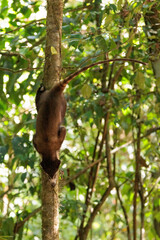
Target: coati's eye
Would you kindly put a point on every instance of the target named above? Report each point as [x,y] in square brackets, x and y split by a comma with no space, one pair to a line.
[42,88]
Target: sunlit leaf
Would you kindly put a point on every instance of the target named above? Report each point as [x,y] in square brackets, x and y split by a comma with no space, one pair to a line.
[86,91]
[108,19]
[140,79]
[119,4]
[53,50]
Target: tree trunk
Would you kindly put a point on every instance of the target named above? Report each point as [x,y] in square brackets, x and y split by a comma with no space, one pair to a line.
[50,201]
[152,20]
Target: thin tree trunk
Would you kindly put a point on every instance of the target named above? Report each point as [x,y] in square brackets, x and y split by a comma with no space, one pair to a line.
[137,173]
[52,67]
[152,21]
[50,201]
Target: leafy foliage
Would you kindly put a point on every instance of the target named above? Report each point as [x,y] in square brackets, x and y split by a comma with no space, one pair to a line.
[128,93]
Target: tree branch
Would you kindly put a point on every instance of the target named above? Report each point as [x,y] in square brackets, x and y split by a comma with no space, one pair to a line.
[96,209]
[137,172]
[10,54]
[23,26]
[142,200]
[65,182]
[8,190]
[152,189]
[124,212]
[91,165]
[19,224]
[149,131]
[110,178]
[17,71]
[79,8]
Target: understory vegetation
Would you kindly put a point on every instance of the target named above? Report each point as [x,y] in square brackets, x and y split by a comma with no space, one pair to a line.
[110,160]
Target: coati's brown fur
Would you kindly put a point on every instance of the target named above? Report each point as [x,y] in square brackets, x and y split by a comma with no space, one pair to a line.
[51,107]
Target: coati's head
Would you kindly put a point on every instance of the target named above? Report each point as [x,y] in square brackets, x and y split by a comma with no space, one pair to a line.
[50,166]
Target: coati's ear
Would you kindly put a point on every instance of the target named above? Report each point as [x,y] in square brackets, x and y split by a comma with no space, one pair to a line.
[50,166]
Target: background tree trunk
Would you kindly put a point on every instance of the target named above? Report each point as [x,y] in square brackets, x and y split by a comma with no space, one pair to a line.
[152,20]
[50,201]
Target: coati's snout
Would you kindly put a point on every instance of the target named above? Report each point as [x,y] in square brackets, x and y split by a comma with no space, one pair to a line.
[50,166]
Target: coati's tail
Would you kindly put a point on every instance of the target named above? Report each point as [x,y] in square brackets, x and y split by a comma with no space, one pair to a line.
[64,82]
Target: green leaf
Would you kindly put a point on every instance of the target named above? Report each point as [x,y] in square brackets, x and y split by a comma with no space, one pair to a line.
[11,16]
[7,227]
[76,36]
[53,50]
[119,4]
[4,3]
[108,19]
[140,80]
[156,66]
[24,10]
[115,101]
[23,176]
[101,42]
[4,9]
[74,43]
[66,29]
[21,146]
[113,7]
[112,44]
[3,151]
[32,190]
[148,82]
[86,91]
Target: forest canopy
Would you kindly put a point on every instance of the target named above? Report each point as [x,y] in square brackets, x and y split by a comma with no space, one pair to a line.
[110,160]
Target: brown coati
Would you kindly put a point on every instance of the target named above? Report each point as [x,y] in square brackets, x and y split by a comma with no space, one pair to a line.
[51,107]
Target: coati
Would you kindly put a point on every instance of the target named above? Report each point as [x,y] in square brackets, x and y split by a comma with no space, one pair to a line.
[51,108]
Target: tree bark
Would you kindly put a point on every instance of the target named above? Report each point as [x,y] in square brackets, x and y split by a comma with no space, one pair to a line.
[50,201]
[52,67]
[152,21]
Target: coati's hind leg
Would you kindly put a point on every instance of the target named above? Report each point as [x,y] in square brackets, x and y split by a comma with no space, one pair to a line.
[61,134]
